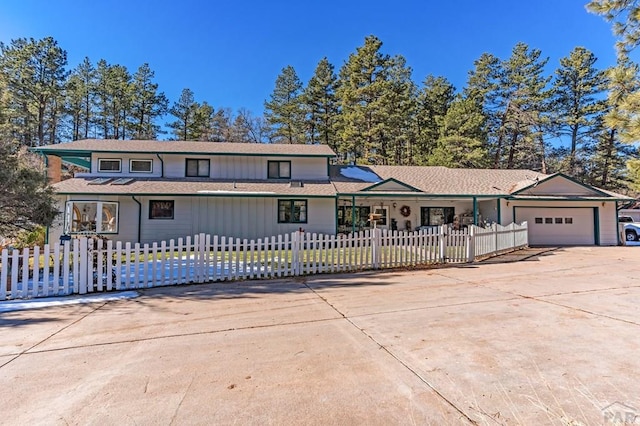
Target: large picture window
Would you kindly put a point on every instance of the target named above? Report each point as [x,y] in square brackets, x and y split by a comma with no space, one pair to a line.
[435,216]
[109,165]
[345,216]
[141,166]
[279,169]
[161,209]
[292,211]
[197,167]
[100,217]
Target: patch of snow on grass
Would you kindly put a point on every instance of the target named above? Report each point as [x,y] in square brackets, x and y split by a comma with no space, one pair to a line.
[354,172]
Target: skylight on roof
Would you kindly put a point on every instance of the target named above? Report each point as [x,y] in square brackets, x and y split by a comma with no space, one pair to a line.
[98,181]
[122,181]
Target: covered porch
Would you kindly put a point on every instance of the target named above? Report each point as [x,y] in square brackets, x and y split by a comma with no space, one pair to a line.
[403,212]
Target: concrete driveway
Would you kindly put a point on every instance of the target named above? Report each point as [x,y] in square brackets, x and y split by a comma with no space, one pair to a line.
[549,339]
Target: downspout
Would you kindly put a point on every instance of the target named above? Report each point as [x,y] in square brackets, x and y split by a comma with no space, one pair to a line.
[161,165]
[139,215]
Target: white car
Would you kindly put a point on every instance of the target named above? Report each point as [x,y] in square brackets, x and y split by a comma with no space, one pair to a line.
[632,231]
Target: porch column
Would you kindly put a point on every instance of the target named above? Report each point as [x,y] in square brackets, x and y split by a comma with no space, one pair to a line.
[475,211]
[499,219]
[353,213]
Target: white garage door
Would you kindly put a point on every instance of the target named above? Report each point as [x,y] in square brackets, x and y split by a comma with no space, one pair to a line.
[558,226]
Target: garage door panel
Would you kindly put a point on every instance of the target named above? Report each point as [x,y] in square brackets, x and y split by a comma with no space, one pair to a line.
[558,226]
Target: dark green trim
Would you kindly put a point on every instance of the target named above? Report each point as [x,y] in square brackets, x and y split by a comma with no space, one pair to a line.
[596,224]
[78,161]
[139,217]
[498,213]
[617,225]
[269,162]
[173,194]
[75,153]
[336,210]
[475,210]
[353,214]
[562,175]
[328,167]
[572,199]
[411,188]
[419,195]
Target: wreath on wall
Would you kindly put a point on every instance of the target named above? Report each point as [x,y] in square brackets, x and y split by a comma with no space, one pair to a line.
[405,211]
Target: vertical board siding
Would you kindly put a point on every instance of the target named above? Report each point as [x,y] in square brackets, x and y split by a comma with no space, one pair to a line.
[86,265]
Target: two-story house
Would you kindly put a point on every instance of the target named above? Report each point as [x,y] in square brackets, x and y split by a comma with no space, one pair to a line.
[152,190]
[144,191]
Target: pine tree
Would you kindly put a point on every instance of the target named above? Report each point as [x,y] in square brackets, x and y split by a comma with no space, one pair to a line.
[34,76]
[362,85]
[434,99]
[576,102]
[147,104]
[321,105]
[114,98]
[284,111]
[626,23]
[80,99]
[460,143]
[184,109]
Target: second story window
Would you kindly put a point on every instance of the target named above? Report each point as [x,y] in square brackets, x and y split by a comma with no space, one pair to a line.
[279,169]
[197,167]
[109,165]
[141,166]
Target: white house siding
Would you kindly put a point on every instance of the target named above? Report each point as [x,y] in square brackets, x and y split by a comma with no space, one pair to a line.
[606,214]
[124,158]
[245,167]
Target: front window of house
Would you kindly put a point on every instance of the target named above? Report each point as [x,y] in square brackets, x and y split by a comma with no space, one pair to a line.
[161,209]
[345,216]
[197,167]
[110,165]
[100,217]
[279,169]
[292,211]
[435,216]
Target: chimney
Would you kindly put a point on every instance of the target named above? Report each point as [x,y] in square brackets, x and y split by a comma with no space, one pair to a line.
[54,169]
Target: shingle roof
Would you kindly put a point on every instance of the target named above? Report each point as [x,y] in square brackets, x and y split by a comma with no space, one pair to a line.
[187,147]
[196,187]
[441,180]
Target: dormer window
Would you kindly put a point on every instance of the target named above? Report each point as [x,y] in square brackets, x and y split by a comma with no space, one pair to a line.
[279,169]
[110,165]
[140,166]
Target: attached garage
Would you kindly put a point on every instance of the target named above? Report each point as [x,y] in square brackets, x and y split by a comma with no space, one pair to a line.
[559,226]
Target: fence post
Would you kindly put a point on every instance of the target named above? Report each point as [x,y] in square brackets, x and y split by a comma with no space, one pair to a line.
[376,246]
[442,243]
[295,253]
[83,260]
[471,243]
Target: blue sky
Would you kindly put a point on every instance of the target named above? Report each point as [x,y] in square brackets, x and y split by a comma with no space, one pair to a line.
[230,52]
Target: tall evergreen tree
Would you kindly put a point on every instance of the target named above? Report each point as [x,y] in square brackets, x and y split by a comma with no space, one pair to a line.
[360,95]
[576,102]
[34,76]
[284,111]
[434,99]
[114,99]
[460,143]
[184,110]
[147,104]
[321,105]
[80,99]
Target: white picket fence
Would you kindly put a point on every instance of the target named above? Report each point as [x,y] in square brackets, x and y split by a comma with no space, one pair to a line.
[86,265]
[498,239]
